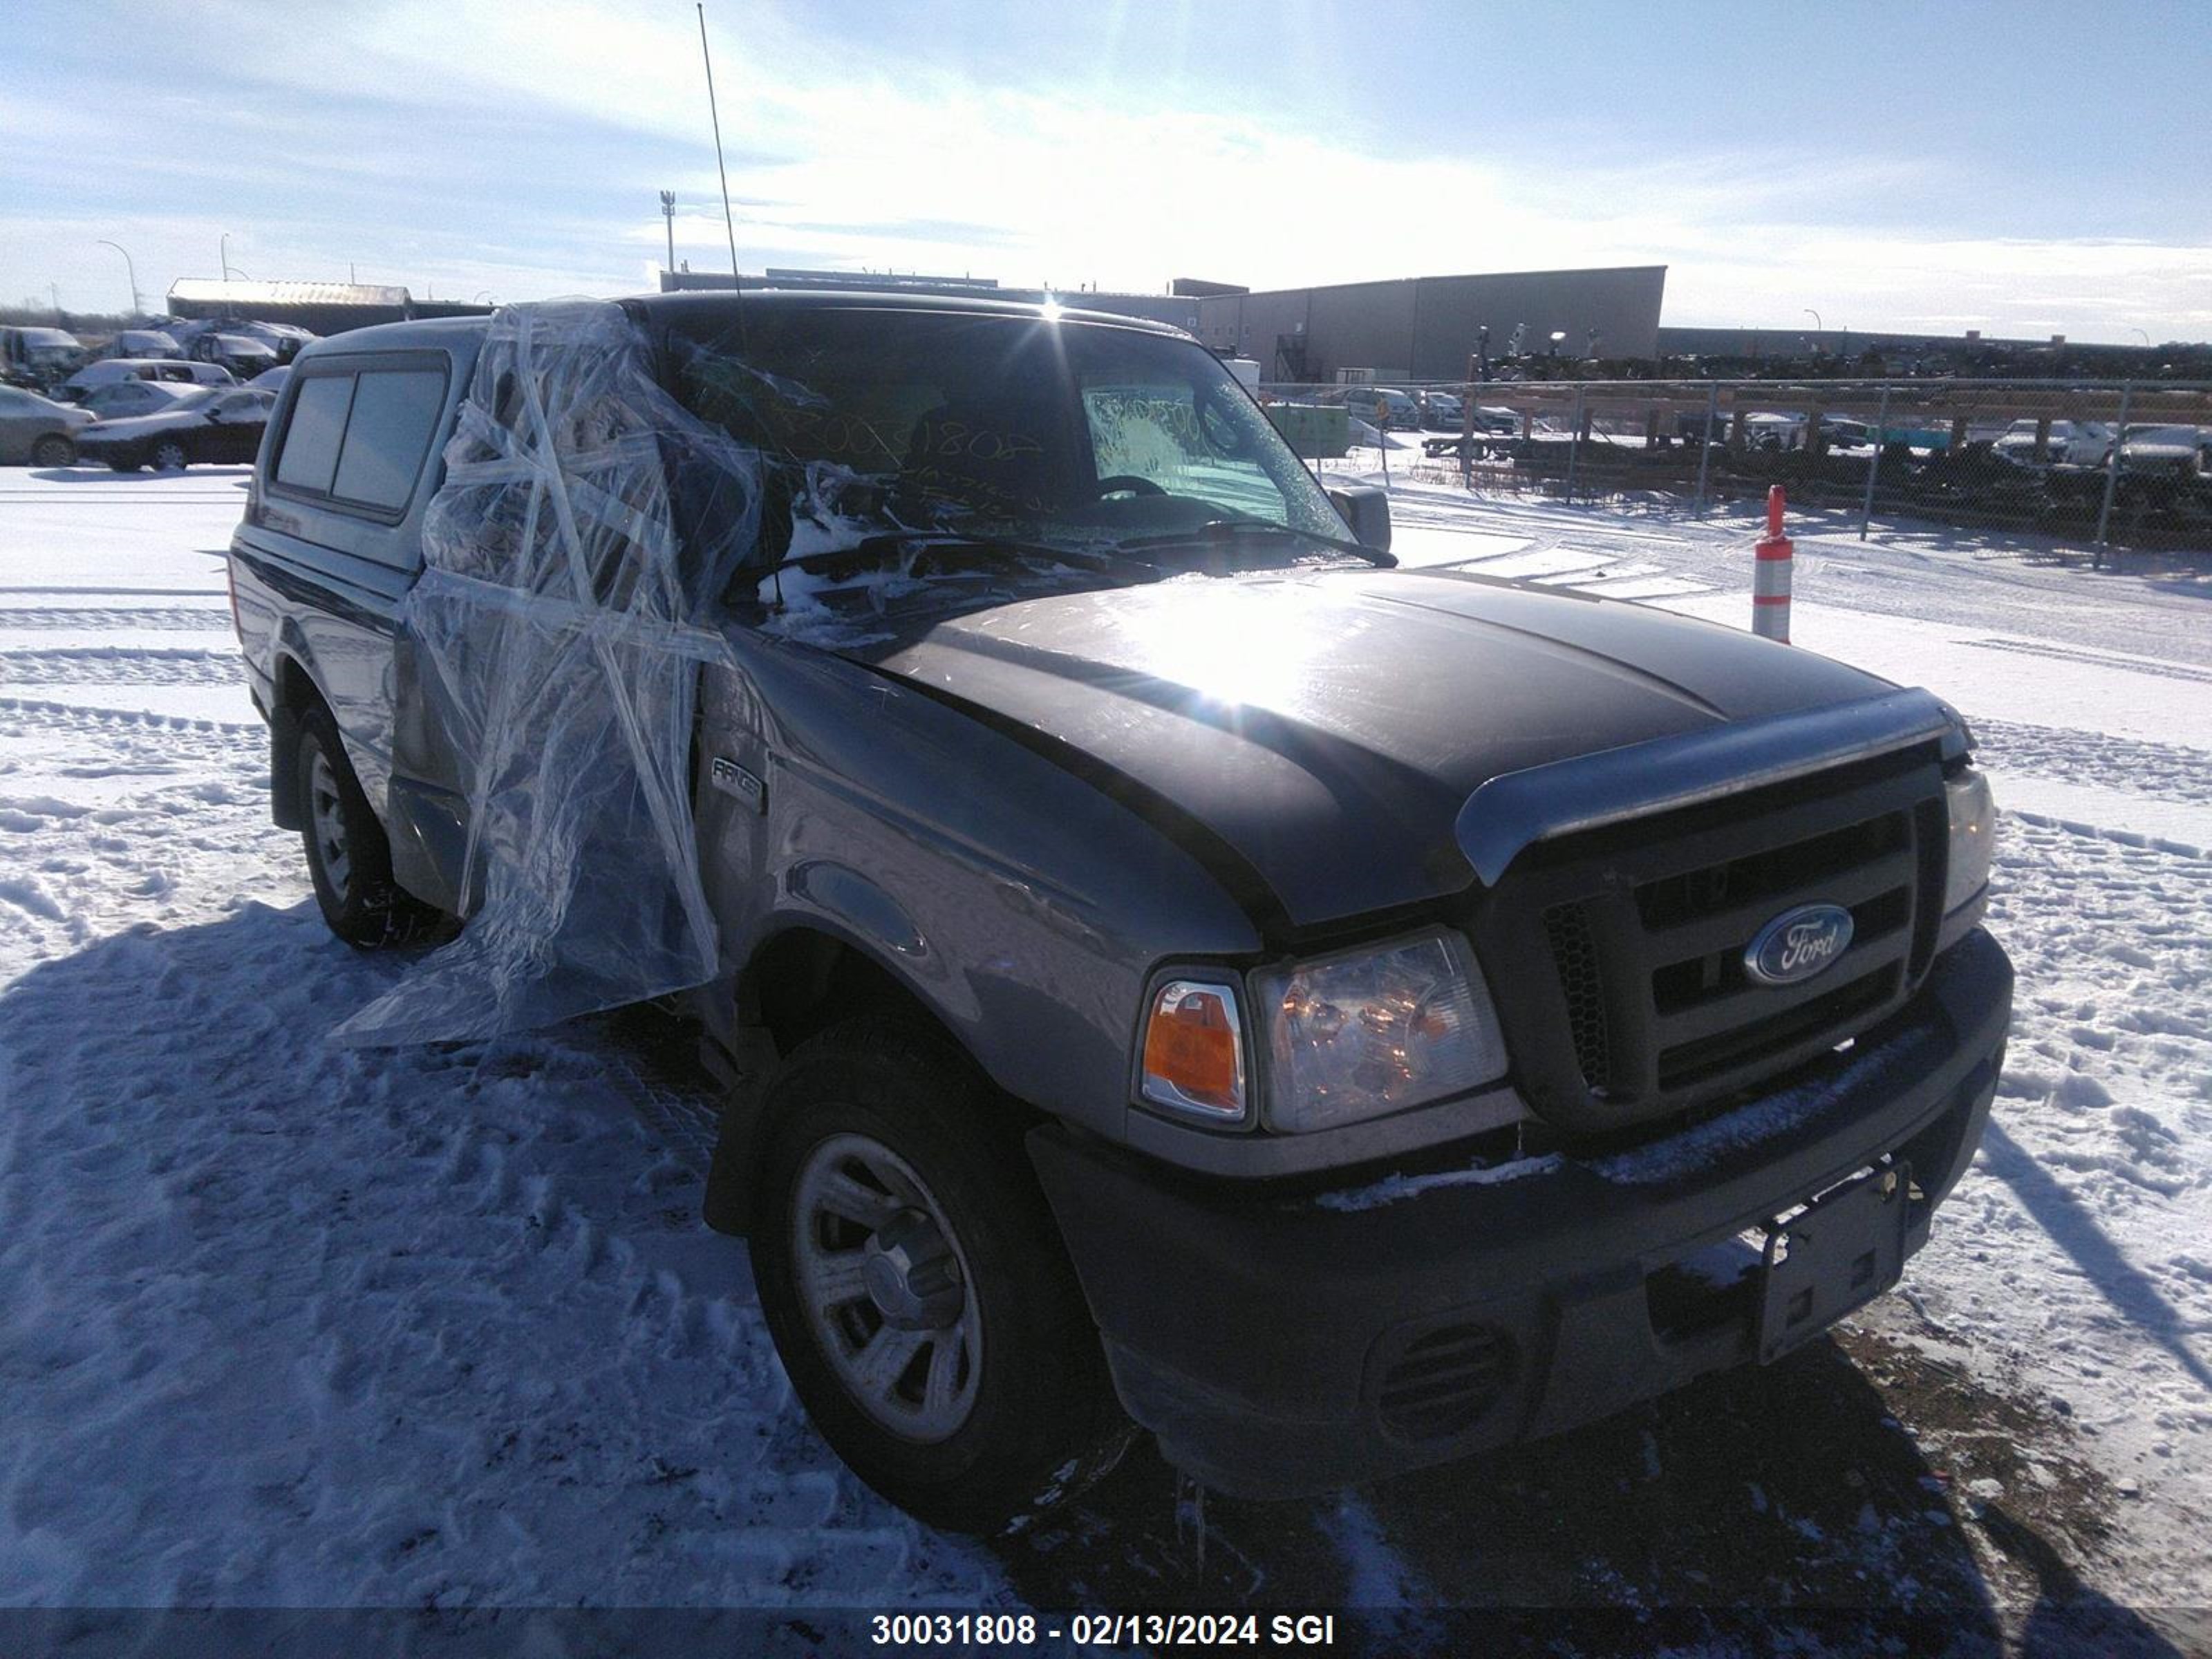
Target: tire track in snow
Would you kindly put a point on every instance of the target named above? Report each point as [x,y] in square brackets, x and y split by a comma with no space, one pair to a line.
[182,619]
[122,666]
[2160,671]
[39,712]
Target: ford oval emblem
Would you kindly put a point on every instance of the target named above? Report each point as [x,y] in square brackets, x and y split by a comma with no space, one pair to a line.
[1798,944]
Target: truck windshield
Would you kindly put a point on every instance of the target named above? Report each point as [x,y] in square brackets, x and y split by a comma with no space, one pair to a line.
[1056,432]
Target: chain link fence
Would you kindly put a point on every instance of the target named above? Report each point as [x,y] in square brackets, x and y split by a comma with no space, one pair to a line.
[2093,468]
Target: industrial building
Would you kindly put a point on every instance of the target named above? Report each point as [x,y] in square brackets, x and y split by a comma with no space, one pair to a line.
[1419,328]
[1426,328]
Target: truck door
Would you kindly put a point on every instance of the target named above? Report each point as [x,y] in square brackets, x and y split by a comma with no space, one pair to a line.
[546,682]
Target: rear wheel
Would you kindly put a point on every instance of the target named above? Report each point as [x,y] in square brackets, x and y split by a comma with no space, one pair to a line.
[169,456]
[54,450]
[348,859]
[914,1280]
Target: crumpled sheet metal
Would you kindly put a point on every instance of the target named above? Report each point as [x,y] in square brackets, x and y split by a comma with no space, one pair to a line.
[585,531]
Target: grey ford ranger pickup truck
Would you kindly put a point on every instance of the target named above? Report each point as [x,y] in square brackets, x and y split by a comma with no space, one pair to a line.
[1169,965]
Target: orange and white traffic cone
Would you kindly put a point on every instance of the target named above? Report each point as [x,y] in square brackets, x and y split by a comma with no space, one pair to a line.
[1770,577]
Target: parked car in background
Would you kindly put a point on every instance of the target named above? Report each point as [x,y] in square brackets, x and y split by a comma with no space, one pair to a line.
[241,353]
[38,357]
[143,344]
[128,398]
[1441,412]
[1774,431]
[283,340]
[2183,452]
[206,424]
[1383,407]
[113,371]
[2074,443]
[38,429]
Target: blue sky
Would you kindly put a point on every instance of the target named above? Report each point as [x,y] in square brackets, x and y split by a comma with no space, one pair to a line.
[2024,169]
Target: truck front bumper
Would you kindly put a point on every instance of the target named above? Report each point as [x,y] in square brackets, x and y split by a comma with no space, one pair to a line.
[1278,1344]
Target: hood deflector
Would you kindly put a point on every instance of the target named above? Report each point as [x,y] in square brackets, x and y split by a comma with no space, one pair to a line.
[1511,813]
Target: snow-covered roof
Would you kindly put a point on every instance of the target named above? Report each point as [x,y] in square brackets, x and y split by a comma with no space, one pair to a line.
[203,291]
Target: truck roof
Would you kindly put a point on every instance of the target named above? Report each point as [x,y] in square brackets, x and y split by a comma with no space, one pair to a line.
[694,308]
[708,309]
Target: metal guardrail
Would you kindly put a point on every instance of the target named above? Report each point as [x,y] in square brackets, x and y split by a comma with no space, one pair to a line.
[2100,465]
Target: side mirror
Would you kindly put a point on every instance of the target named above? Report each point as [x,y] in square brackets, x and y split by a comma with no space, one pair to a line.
[1365,509]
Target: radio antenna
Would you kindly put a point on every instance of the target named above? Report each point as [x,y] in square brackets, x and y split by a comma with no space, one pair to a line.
[729,220]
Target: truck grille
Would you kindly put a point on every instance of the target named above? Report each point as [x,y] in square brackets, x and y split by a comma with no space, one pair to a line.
[1647,1007]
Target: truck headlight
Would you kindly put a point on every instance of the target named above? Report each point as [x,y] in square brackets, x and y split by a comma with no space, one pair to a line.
[1973,836]
[1363,1033]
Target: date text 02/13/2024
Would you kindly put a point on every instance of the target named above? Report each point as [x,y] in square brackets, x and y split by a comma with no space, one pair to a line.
[1106,1630]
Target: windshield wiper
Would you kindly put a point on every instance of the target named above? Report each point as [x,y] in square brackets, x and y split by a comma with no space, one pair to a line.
[1006,549]
[1216,532]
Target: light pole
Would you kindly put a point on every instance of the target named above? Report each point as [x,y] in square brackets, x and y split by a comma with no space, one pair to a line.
[668,212]
[2146,338]
[136,310]
[226,258]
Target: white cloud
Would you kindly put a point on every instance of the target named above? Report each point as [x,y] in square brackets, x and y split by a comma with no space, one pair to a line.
[840,160]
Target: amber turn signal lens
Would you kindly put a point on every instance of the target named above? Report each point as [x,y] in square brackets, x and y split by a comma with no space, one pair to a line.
[1194,1050]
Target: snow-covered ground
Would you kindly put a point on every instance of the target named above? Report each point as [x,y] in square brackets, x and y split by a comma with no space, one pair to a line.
[283,1324]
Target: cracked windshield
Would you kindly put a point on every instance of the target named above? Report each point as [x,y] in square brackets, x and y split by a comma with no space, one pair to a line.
[1004,437]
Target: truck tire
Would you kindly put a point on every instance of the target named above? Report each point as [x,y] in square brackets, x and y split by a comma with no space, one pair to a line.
[915,1285]
[348,859]
[54,450]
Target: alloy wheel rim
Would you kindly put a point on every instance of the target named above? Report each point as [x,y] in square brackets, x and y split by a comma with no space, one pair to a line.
[327,813]
[886,1288]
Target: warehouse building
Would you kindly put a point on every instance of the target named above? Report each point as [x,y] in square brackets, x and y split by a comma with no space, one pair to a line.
[1426,328]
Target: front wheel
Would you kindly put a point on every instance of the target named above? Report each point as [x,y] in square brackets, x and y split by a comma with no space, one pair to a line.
[54,450]
[169,456]
[915,1285]
[349,860]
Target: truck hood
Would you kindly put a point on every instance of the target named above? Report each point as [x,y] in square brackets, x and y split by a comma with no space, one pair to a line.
[1328,727]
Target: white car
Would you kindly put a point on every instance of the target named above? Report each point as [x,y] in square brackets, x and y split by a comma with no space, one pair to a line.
[1382,406]
[125,398]
[2183,450]
[113,371]
[2074,443]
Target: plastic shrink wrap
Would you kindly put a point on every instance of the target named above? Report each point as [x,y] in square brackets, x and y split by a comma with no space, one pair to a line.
[574,556]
